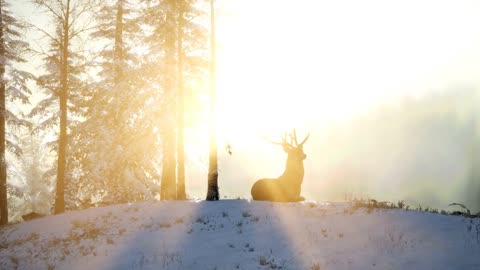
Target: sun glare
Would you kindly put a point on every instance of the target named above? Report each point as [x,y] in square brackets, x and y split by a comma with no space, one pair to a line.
[311,62]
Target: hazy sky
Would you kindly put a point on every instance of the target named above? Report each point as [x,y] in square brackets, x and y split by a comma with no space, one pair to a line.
[310,63]
[326,59]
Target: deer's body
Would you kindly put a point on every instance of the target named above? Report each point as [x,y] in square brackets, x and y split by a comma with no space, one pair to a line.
[287,187]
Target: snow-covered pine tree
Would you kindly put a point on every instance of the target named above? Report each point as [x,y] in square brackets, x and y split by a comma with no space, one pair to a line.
[192,79]
[62,82]
[177,49]
[13,88]
[36,192]
[115,147]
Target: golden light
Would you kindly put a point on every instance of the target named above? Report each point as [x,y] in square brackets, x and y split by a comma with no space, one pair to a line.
[306,63]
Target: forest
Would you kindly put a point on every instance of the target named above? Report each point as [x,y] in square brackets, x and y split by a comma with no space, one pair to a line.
[103,119]
[160,134]
[111,101]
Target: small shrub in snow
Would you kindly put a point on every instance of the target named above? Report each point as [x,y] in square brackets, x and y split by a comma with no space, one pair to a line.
[315,266]
[14,261]
[31,216]
[202,220]
[255,219]
[270,262]
[466,212]
[84,230]
[179,220]
[246,214]
[165,225]
[312,205]
[262,260]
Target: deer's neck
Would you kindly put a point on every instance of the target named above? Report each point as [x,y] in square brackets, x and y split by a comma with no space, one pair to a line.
[293,170]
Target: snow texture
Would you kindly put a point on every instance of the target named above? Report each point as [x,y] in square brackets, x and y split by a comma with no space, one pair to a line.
[239,234]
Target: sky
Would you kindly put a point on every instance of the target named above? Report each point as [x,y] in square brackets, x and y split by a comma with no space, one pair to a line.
[333,58]
[312,64]
[329,59]
[337,56]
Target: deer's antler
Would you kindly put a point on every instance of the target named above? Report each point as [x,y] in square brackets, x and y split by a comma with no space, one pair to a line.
[304,140]
[282,143]
[295,138]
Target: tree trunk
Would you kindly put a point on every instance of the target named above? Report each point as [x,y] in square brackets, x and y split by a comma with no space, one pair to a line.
[3,163]
[118,61]
[118,50]
[181,195]
[168,185]
[212,193]
[63,96]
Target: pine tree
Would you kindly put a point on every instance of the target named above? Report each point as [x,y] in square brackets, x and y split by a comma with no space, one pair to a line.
[116,144]
[36,192]
[63,68]
[13,87]
[176,43]
[212,192]
[181,194]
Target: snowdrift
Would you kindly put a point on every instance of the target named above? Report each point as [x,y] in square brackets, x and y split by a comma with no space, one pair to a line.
[240,234]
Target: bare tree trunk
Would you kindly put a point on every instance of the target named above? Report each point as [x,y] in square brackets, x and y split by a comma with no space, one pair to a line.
[117,61]
[168,185]
[212,193]
[3,163]
[181,195]
[62,142]
[118,50]
[473,184]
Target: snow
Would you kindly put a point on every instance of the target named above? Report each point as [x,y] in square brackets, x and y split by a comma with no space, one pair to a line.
[242,234]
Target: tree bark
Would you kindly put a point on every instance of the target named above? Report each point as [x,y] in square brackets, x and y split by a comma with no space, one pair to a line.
[118,50]
[212,193]
[168,189]
[116,174]
[3,163]
[63,96]
[181,194]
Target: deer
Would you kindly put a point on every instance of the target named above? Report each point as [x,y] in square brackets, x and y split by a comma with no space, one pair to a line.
[287,187]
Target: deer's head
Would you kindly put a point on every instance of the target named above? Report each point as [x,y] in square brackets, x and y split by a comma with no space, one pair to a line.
[292,148]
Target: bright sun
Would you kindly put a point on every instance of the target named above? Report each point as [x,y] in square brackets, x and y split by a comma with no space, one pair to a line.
[284,64]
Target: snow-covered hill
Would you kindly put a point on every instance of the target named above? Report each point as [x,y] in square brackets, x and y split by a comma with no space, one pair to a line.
[239,234]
